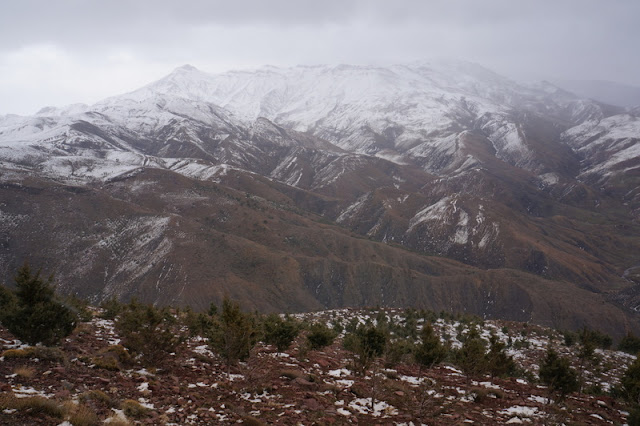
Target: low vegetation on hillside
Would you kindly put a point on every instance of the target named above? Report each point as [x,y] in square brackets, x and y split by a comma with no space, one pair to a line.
[139,364]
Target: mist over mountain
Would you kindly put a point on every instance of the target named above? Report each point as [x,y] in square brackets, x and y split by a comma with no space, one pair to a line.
[440,185]
[604,91]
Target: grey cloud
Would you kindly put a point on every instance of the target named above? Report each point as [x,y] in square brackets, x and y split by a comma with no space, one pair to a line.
[524,39]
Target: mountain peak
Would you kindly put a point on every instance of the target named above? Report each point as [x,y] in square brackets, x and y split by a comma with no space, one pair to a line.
[186,68]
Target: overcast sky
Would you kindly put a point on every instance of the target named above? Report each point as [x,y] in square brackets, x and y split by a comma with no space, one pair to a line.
[67,51]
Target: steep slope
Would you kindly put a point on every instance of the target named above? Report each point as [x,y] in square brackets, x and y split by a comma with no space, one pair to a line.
[610,151]
[169,239]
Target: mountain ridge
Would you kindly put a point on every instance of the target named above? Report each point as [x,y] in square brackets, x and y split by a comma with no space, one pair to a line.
[456,162]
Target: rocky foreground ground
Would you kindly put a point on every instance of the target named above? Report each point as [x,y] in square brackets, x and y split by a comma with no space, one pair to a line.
[78,385]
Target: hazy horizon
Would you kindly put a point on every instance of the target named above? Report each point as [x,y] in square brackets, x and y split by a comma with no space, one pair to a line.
[66,52]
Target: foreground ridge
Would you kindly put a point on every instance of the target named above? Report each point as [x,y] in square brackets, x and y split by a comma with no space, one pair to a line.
[192,386]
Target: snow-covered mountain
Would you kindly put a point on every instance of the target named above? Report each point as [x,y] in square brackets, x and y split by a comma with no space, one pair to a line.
[446,159]
[403,112]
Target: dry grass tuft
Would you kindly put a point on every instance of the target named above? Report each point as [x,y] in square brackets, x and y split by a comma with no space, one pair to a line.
[84,416]
[43,353]
[112,358]
[96,396]
[134,409]
[25,372]
[34,405]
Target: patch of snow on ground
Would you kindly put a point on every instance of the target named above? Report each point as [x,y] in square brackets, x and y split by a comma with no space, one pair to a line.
[343,412]
[203,350]
[487,385]
[455,370]
[25,392]
[540,399]
[146,404]
[380,408]
[415,381]
[234,377]
[521,411]
[341,372]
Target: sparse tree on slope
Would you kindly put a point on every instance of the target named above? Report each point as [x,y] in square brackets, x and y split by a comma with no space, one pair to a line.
[232,334]
[149,332]
[556,372]
[499,363]
[280,332]
[430,351]
[629,344]
[471,357]
[35,315]
[320,336]
[368,343]
[630,382]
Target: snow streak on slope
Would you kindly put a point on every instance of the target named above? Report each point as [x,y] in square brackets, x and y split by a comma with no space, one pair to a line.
[609,145]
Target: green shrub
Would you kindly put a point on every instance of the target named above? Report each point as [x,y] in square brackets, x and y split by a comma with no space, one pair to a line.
[148,332]
[337,326]
[521,344]
[569,338]
[398,350]
[36,316]
[280,332]
[629,344]
[232,334]
[320,336]
[594,389]
[368,342]
[197,323]
[8,302]
[80,308]
[430,351]
[111,308]
[634,417]
[556,372]
[352,325]
[595,338]
[499,364]
[630,382]
[471,357]
[410,325]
